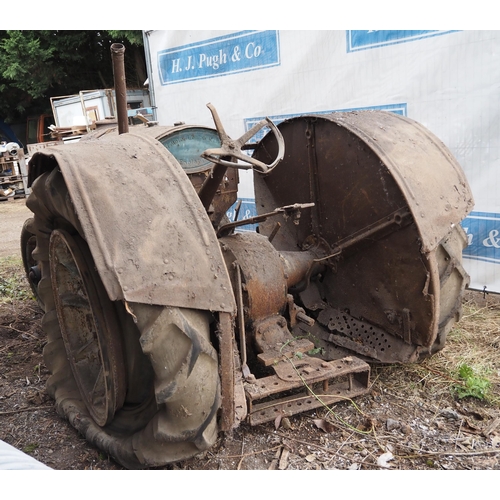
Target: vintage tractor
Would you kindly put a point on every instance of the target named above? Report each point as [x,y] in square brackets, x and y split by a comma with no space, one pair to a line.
[167,323]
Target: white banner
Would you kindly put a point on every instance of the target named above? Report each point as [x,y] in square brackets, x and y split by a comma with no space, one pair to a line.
[446,80]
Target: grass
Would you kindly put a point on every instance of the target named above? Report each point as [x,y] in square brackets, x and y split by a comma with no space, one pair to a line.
[467,367]
[30,448]
[13,283]
[471,351]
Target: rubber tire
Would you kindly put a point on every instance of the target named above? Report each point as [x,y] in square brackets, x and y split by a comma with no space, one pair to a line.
[454,281]
[28,243]
[173,387]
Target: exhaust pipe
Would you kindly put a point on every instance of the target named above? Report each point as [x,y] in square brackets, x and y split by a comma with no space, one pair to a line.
[117,55]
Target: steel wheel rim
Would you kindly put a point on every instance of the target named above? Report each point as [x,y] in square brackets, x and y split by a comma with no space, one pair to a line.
[88,327]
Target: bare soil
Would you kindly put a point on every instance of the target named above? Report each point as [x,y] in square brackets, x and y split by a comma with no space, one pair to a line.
[411,419]
[13,213]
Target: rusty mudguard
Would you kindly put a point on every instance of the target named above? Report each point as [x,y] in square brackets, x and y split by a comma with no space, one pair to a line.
[388,198]
[150,237]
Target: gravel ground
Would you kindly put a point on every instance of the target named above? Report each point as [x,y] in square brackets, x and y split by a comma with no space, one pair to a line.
[13,213]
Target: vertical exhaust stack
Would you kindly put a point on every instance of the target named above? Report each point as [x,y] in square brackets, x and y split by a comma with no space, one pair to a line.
[118,56]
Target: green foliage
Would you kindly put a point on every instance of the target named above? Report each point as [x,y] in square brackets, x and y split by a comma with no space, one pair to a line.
[15,50]
[11,289]
[316,350]
[133,37]
[13,283]
[38,64]
[474,385]
[30,448]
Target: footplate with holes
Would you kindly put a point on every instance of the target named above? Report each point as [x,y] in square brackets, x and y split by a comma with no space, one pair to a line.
[366,339]
[305,384]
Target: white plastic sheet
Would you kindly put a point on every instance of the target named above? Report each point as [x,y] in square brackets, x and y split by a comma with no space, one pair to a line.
[13,459]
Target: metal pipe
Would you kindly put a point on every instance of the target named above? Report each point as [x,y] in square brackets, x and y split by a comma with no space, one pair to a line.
[118,56]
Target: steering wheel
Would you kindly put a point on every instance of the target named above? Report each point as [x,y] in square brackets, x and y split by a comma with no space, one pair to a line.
[233,148]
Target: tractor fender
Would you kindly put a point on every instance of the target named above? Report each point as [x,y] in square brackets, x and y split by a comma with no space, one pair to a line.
[388,201]
[147,230]
[429,177]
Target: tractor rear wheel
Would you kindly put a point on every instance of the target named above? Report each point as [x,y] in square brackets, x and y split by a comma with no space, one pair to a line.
[139,381]
[453,281]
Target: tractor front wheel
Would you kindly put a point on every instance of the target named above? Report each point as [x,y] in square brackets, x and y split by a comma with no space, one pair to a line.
[139,381]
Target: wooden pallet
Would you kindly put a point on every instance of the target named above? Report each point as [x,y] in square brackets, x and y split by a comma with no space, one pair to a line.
[12,198]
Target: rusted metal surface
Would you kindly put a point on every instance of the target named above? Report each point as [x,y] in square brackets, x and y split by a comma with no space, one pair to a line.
[186,143]
[230,152]
[313,383]
[227,371]
[217,188]
[288,211]
[453,282]
[386,193]
[264,283]
[118,57]
[150,237]
[279,361]
[361,167]
[89,330]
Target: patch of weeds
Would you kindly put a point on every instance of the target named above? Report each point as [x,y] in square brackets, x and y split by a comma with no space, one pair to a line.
[30,448]
[13,282]
[474,385]
[316,350]
[12,289]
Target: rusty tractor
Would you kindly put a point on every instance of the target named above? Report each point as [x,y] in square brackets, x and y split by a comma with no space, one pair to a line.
[167,322]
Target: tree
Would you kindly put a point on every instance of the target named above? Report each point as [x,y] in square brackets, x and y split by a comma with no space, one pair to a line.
[38,64]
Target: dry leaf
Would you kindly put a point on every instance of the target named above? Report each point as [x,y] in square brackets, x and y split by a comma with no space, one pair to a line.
[277,422]
[384,458]
[324,425]
[283,463]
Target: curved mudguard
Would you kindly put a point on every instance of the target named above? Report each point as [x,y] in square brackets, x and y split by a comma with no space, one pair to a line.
[149,234]
[388,199]
[363,163]
[429,177]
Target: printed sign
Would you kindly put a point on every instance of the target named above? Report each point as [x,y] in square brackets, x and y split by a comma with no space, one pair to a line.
[236,53]
[247,210]
[371,39]
[483,234]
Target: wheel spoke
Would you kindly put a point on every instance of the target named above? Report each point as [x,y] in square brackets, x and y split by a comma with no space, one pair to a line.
[100,386]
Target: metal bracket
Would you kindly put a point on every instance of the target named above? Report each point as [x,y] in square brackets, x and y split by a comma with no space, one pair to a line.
[312,383]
